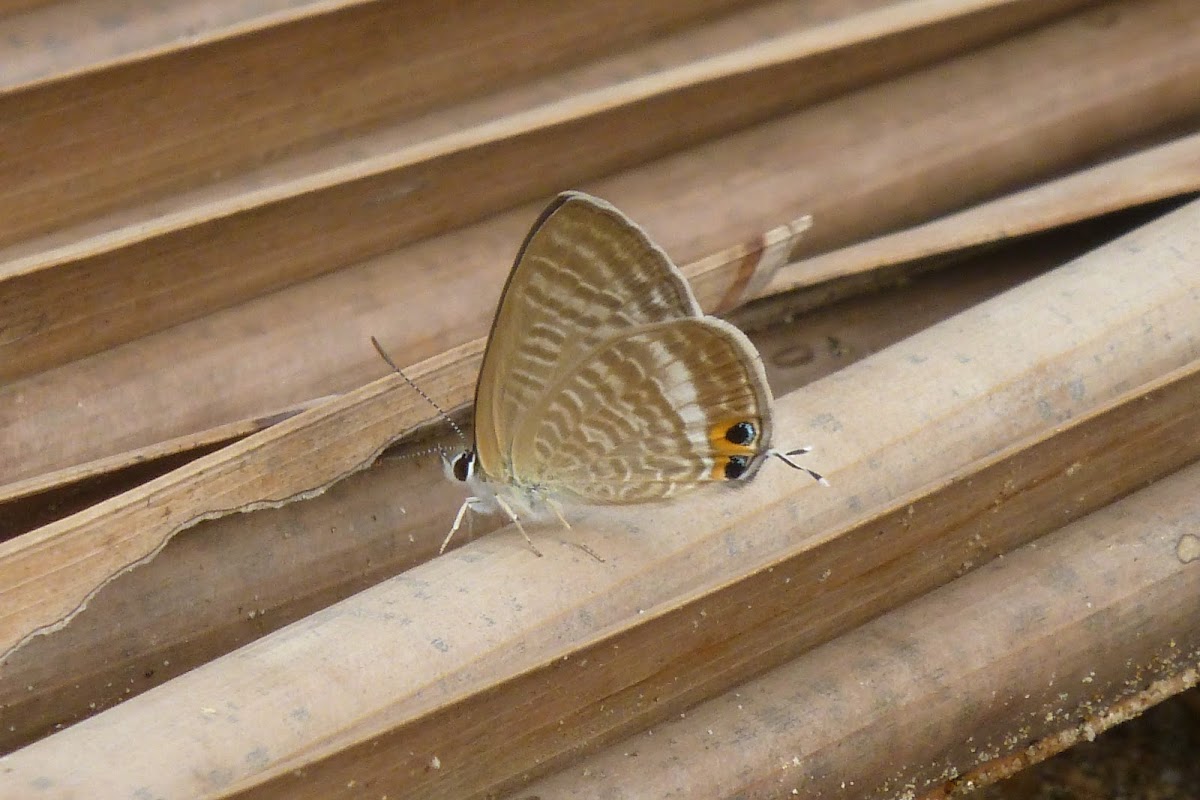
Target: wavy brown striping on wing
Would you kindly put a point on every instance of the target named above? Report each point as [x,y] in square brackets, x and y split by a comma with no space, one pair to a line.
[584,274]
[645,416]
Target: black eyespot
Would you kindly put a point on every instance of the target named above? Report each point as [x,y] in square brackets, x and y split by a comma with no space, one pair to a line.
[464,465]
[736,467]
[741,433]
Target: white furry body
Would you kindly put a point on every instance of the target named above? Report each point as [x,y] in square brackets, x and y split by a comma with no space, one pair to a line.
[515,500]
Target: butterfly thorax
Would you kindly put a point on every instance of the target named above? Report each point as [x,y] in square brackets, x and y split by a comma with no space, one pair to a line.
[529,497]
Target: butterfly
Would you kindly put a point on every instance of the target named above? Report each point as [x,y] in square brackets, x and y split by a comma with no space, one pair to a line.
[603,382]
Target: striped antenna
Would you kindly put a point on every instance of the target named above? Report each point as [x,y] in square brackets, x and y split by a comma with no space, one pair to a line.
[382,354]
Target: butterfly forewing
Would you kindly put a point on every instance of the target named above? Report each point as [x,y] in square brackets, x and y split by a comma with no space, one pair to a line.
[648,414]
[584,274]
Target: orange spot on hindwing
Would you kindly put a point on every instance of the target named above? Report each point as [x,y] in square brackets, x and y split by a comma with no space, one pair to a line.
[735,442]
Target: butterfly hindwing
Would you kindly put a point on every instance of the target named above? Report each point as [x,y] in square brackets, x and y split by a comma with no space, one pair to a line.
[649,413]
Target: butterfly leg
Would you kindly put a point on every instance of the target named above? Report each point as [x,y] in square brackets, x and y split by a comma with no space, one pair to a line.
[517,521]
[557,508]
[469,503]
[558,512]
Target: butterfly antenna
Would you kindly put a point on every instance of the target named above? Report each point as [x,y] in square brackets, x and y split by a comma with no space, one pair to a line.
[785,458]
[379,349]
[441,451]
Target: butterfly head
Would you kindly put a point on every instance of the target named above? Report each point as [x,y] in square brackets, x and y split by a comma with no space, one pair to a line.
[462,467]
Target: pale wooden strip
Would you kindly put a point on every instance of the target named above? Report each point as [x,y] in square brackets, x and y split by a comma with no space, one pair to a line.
[40,500]
[363,690]
[744,269]
[61,479]
[1170,169]
[1049,646]
[103,34]
[51,573]
[397,131]
[309,340]
[437,130]
[757,39]
[234,104]
[226,582]
[272,233]
[702,642]
[107,33]
[19,6]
